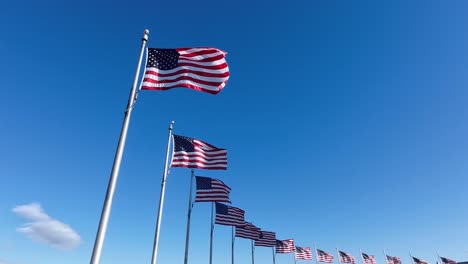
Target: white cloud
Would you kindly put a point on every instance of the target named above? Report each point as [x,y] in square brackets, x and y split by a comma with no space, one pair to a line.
[44,229]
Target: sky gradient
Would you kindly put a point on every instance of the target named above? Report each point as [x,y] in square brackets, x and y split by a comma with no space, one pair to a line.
[345,124]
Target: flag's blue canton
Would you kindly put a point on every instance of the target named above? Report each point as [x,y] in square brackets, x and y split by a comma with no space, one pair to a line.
[203,183]
[299,249]
[222,209]
[163,59]
[183,144]
[280,243]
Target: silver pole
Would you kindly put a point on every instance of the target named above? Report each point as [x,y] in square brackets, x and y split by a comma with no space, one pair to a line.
[232,246]
[438,256]
[411,257]
[253,249]
[385,255]
[274,255]
[187,235]
[316,254]
[362,257]
[161,199]
[338,255]
[101,233]
[295,261]
[211,233]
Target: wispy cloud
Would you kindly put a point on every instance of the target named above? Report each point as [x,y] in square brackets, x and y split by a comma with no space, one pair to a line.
[44,229]
[5,262]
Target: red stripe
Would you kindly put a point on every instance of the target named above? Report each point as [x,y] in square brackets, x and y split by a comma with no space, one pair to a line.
[205,156]
[200,52]
[186,85]
[199,167]
[210,59]
[200,73]
[210,67]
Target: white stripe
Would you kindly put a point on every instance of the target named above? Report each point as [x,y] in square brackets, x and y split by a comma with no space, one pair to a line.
[222,153]
[201,57]
[203,63]
[194,50]
[212,152]
[190,68]
[164,85]
[198,160]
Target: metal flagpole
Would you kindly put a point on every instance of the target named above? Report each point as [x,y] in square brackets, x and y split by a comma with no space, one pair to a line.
[316,254]
[411,257]
[338,253]
[101,233]
[274,255]
[295,261]
[362,258]
[211,233]
[441,262]
[187,235]
[385,255]
[161,199]
[253,249]
[232,246]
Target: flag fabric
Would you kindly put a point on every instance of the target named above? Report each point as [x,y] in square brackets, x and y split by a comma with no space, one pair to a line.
[266,239]
[303,253]
[211,190]
[285,246]
[229,215]
[197,154]
[201,69]
[323,256]
[368,259]
[346,258]
[419,261]
[248,231]
[393,260]
[447,261]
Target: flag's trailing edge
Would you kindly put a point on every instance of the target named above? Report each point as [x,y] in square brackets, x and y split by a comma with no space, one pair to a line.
[203,69]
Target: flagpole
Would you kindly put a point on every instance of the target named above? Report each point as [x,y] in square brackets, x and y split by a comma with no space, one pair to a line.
[295,261]
[189,213]
[316,254]
[338,255]
[253,249]
[105,213]
[161,198]
[385,256]
[274,255]
[362,258]
[411,257]
[441,262]
[232,246]
[211,233]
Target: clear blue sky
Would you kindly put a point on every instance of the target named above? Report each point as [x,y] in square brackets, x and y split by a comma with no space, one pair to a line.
[346,125]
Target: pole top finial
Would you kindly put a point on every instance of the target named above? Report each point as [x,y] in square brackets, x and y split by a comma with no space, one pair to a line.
[170,125]
[145,34]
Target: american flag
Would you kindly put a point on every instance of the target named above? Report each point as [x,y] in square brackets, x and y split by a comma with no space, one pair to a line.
[211,190]
[323,256]
[266,239]
[346,258]
[195,153]
[303,253]
[447,261]
[419,261]
[285,246]
[393,260]
[201,69]
[229,215]
[368,259]
[248,231]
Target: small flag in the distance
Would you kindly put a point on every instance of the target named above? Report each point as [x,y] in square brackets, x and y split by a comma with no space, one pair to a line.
[201,69]
[285,246]
[346,258]
[211,190]
[447,261]
[248,231]
[266,239]
[419,261]
[303,253]
[229,215]
[393,260]
[197,154]
[368,259]
[323,256]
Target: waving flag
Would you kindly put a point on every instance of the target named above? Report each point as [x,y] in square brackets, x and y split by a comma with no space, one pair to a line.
[266,239]
[248,231]
[201,69]
[393,260]
[419,261]
[346,258]
[447,261]
[195,153]
[285,246]
[323,256]
[303,253]
[368,259]
[229,215]
[211,190]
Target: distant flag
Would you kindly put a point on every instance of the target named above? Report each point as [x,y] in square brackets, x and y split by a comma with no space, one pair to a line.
[201,69]
[419,261]
[393,260]
[195,153]
[346,258]
[285,246]
[303,253]
[368,259]
[323,256]
[447,261]
[211,190]
[229,215]
[266,239]
[248,231]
